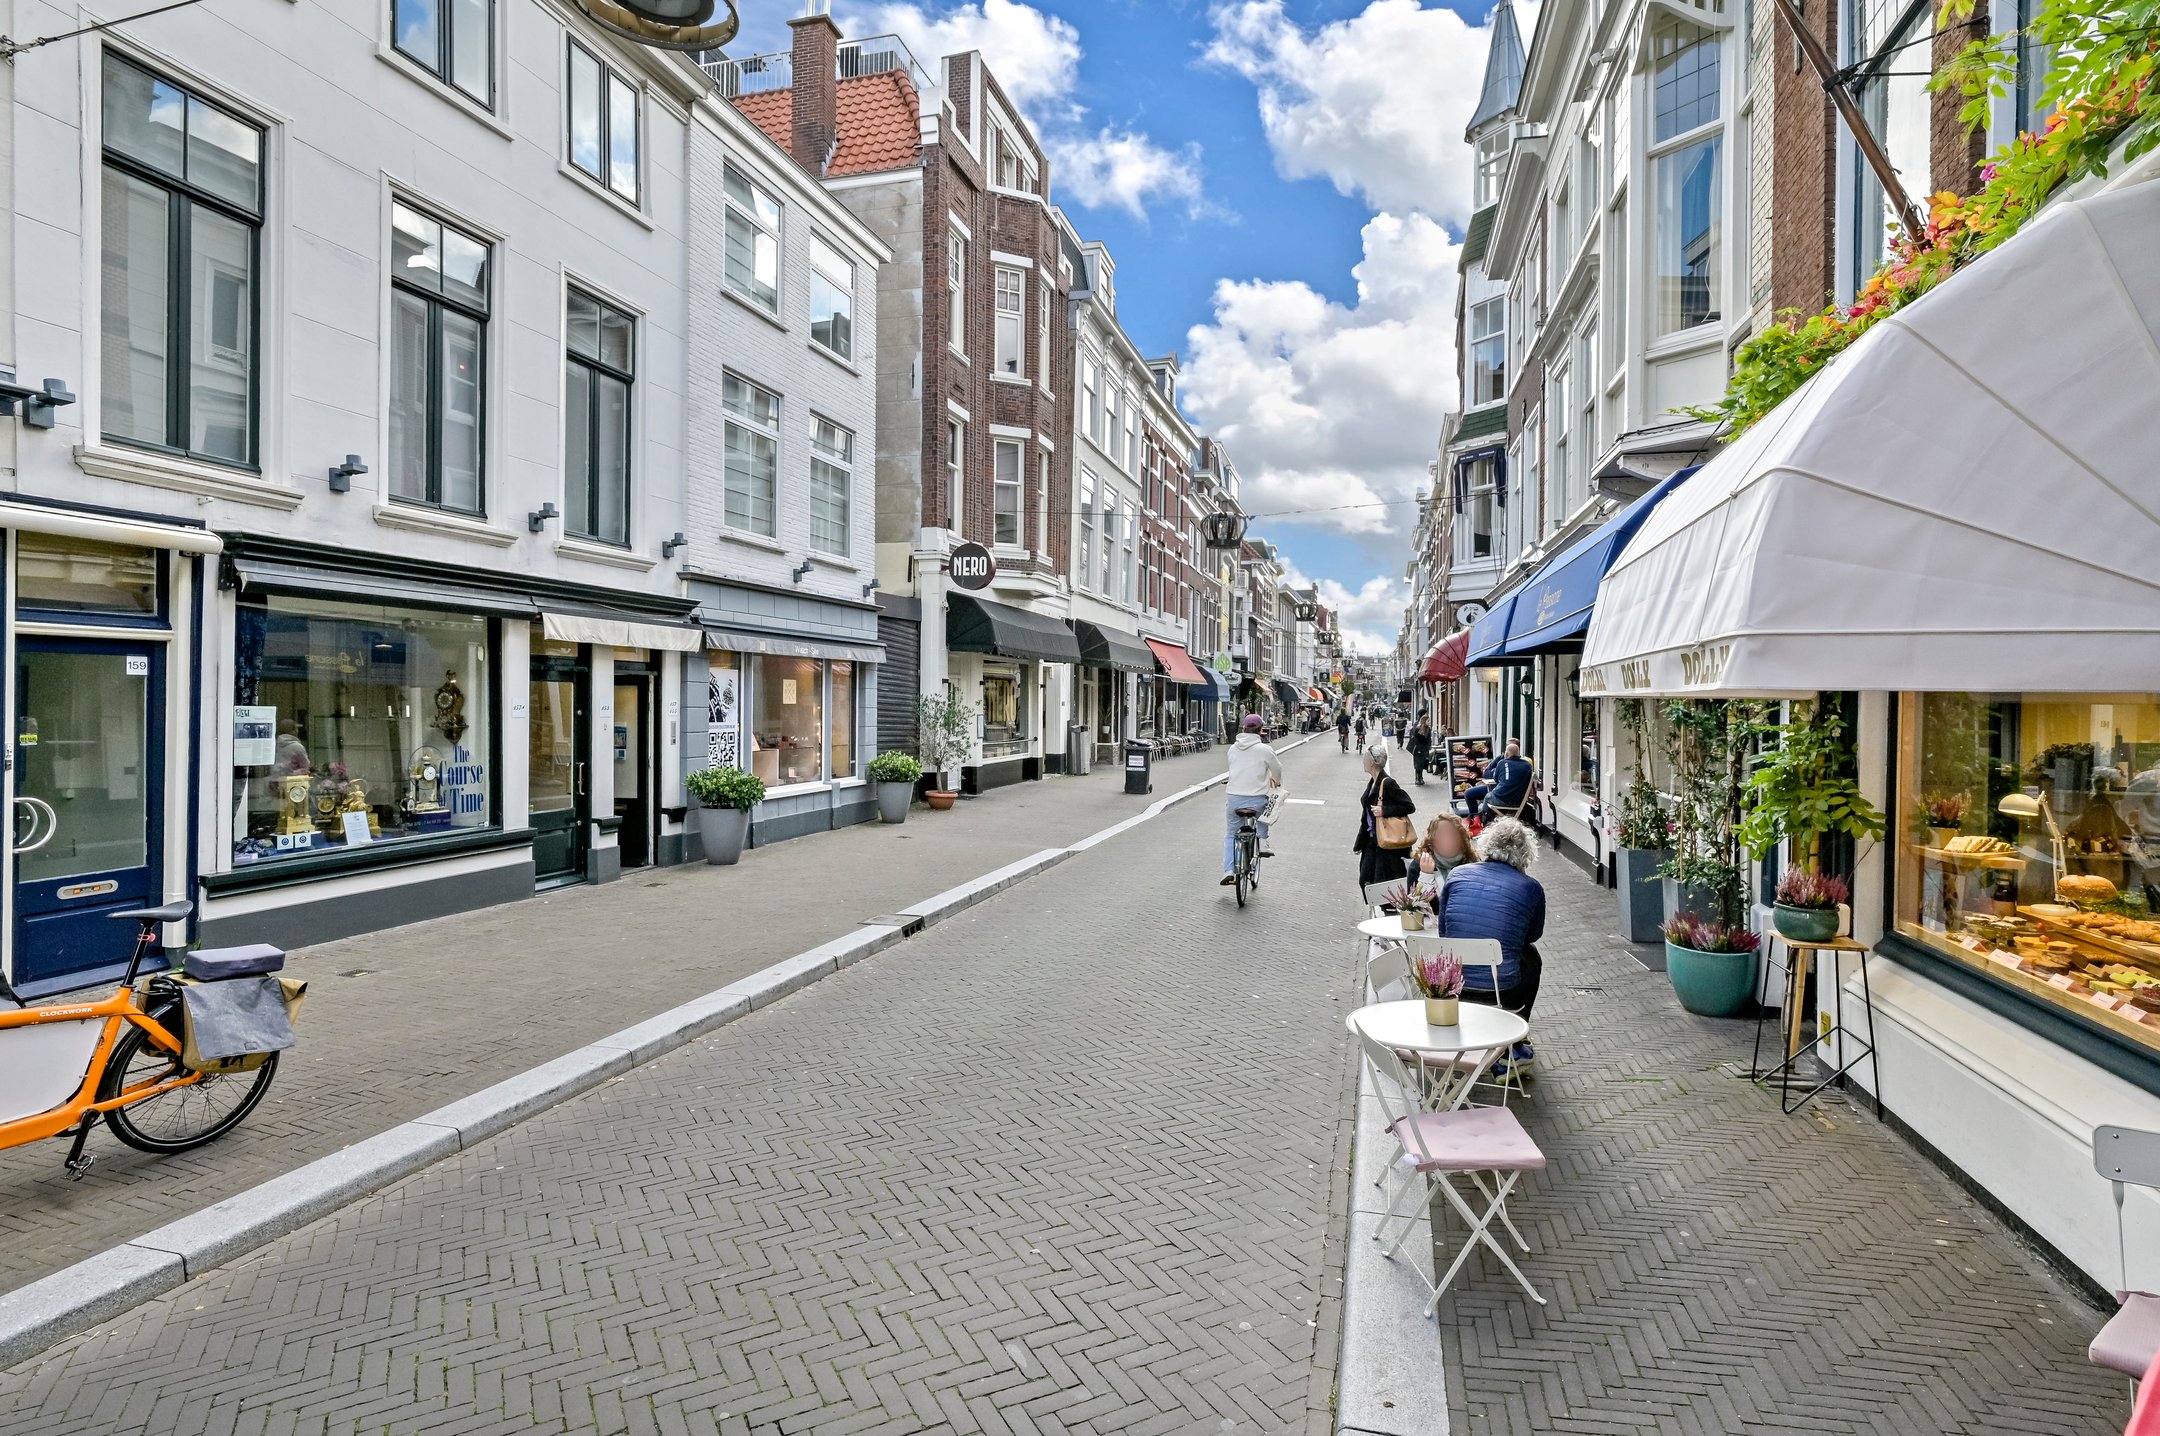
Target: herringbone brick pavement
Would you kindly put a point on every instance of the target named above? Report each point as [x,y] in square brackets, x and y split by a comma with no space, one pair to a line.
[401,1022]
[1070,1162]
[1714,1266]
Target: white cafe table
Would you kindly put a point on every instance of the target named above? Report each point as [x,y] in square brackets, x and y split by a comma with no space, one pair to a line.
[1388,928]
[1402,1026]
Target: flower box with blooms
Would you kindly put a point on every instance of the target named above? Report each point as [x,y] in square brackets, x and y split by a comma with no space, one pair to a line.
[1711,965]
[1439,976]
[1807,905]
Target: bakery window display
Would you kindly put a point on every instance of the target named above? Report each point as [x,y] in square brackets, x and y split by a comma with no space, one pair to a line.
[2049,879]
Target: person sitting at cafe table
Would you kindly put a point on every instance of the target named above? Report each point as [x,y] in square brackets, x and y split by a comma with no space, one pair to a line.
[1506,785]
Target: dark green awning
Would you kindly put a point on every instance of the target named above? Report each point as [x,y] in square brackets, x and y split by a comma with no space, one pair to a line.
[976,625]
[1112,649]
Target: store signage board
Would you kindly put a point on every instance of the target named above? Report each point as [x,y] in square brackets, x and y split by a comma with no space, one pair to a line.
[972,567]
[1466,760]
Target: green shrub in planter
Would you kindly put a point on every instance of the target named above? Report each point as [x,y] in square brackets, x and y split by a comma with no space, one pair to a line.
[894,768]
[725,788]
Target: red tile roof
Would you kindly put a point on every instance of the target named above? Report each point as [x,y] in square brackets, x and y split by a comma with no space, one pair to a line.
[878,127]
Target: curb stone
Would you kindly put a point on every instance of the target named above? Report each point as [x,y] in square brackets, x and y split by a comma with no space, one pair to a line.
[43,1313]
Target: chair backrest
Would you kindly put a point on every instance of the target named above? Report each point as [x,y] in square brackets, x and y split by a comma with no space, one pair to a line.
[1387,975]
[1469,951]
[1394,1087]
[1376,892]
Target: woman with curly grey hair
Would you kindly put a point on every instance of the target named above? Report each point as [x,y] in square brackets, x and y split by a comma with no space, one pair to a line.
[1496,897]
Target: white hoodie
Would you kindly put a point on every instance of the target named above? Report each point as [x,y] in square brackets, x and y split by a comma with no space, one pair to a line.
[1254,768]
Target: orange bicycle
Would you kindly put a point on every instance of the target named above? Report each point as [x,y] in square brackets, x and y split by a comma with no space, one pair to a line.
[64,1067]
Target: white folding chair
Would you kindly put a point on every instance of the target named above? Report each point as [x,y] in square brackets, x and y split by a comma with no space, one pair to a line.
[2127,1157]
[1432,1149]
[1472,952]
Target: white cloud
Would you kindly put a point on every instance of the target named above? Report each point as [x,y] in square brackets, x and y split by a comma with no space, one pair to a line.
[1368,617]
[1036,58]
[1334,408]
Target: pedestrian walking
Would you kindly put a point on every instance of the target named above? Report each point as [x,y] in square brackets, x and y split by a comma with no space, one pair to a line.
[1496,897]
[1384,799]
[1421,749]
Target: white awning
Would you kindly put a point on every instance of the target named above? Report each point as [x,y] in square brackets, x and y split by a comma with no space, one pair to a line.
[108,528]
[621,632]
[1967,500]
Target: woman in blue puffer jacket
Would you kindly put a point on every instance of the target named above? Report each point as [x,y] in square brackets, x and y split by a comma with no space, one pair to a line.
[1496,897]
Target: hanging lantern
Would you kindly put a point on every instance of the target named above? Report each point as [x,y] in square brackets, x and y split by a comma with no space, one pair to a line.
[666,24]
[1223,529]
[1307,612]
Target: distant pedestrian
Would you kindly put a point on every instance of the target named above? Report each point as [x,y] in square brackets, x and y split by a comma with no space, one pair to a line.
[1420,749]
[1383,798]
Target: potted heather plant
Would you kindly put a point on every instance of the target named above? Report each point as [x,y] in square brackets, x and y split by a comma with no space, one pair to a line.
[1411,904]
[1945,816]
[1808,903]
[1439,976]
[1711,964]
[894,775]
[724,798]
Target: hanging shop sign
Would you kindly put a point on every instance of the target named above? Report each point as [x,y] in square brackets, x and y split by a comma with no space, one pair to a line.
[972,566]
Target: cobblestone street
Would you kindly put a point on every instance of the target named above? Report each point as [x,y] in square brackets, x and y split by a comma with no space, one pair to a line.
[1068,1162]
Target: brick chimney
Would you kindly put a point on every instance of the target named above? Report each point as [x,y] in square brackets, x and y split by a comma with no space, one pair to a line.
[815,63]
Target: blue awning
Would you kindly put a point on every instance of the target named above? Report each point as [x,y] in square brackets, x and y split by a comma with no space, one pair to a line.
[1212,691]
[1550,613]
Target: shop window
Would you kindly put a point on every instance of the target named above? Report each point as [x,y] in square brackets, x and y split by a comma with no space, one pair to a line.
[787,742]
[751,463]
[182,220]
[832,298]
[1004,710]
[451,39]
[596,423]
[355,724]
[832,461]
[1586,770]
[750,240]
[2028,831]
[603,114]
[842,709]
[54,574]
[438,351]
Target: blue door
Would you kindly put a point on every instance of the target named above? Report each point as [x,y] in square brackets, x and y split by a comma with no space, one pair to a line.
[89,803]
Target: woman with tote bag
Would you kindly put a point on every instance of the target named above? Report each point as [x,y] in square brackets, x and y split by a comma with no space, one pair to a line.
[1385,834]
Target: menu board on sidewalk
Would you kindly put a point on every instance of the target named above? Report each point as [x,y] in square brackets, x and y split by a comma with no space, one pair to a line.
[1466,760]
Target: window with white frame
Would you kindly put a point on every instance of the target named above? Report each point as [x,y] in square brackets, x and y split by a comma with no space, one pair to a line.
[1042,335]
[439,286]
[1687,175]
[1008,465]
[453,41]
[1091,394]
[1480,530]
[955,475]
[1492,163]
[751,454]
[1129,522]
[603,116]
[1009,342]
[597,377]
[750,240]
[832,298]
[1042,501]
[1008,160]
[182,222]
[832,466]
[802,719]
[1488,351]
[1112,437]
[1557,476]
[1617,275]
[1106,573]
[956,292]
[1586,429]
[1892,92]
[1084,552]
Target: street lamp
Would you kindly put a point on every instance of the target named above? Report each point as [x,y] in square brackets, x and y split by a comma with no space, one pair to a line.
[1224,529]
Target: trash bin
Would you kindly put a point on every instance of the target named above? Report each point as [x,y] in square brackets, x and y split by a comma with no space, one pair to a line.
[1139,768]
[1079,750]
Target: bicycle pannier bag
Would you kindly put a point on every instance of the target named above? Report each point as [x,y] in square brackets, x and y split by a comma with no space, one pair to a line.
[234,1025]
[1394,833]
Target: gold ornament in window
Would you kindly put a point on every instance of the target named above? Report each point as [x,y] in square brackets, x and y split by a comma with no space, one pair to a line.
[450,709]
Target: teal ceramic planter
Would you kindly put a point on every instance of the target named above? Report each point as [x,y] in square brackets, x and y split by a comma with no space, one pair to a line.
[1710,984]
[1806,924]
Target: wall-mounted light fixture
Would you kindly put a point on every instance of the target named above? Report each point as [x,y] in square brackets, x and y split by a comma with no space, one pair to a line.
[37,404]
[669,545]
[538,518]
[802,571]
[341,475]
[871,587]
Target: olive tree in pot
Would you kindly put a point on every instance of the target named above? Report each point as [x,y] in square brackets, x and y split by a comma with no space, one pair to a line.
[947,728]
[1644,843]
[895,775]
[724,797]
[1804,789]
[1710,951]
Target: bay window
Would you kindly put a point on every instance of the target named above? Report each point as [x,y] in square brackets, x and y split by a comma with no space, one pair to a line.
[1008,347]
[1488,351]
[603,115]
[1480,532]
[439,285]
[750,443]
[832,463]
[1492,163]
[1009,464]
[596,420]
[182,222]
[750,240]
[1687,176]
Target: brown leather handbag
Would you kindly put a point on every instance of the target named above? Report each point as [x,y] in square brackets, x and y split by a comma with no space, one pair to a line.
[1395,834]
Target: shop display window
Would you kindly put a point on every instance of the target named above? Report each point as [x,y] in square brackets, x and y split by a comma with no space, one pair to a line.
[1004,710]
[355,724]
[788,737]
[843,720]
[57,574]
[2029,841]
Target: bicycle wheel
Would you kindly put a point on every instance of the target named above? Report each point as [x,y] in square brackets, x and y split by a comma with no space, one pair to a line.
[1245,866]
[186,1117]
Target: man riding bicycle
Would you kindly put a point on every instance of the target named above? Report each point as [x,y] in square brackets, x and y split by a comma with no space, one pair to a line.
[1255,772]
[1342,727]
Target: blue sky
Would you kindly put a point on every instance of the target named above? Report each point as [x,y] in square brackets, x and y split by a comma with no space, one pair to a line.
[1282,183]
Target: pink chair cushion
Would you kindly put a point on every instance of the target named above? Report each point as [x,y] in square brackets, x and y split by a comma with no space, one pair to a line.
[1473,1139]
[2130,1338]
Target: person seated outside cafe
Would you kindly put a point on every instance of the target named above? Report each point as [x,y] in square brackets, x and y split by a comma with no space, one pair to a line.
[1506,785]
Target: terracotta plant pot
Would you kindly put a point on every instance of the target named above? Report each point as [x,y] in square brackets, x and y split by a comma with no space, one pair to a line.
[940,801]
[1443,1011]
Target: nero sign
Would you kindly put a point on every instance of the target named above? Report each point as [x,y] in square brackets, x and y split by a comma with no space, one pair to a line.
[972,566]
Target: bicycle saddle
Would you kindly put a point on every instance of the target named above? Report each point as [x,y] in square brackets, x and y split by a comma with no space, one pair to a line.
[170,912]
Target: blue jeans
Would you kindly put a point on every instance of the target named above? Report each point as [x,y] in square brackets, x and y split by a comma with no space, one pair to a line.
[1232,803]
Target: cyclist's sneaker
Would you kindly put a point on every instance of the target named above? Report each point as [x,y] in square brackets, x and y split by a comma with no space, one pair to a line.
[1229,880]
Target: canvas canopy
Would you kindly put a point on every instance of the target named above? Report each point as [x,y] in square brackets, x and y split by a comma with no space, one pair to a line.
[1967,500]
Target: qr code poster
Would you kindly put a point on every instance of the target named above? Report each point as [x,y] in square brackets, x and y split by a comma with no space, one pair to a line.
[721,741]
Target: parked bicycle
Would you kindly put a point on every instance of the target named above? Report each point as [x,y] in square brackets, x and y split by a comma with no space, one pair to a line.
[64,1067]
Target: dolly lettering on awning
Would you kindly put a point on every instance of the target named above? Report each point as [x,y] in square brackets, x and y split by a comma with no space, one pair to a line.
[1702,667]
